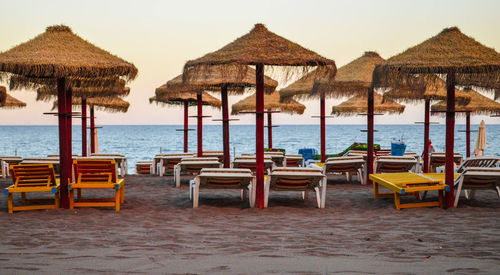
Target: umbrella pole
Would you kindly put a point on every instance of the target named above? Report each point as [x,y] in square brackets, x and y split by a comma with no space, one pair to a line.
[92,130]
[323,126]
[450,135]
[186,112]
[269,130]
[200,124]
[84,126]
[369,149]
[259,135]
[225,126]
[426,135]
[63,139]
[467,133]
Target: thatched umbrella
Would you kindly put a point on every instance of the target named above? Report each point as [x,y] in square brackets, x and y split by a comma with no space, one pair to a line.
[258,48]
[479,104]
[187,99]
[357,104]
[436,91]
[452,53]
[9,102]
[58,54]
[216,78]
[273,105]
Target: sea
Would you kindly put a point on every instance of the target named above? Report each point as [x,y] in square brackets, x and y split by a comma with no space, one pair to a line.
[142,142]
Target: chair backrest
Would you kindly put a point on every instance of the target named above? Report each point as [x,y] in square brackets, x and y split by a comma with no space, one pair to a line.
[33,175]
[439,159]
[188,160]
[395,165]
[294,160]
[479,178]
[229,177]
[478,162]
[383,152]
[218,154]
[295,178]
[95,170]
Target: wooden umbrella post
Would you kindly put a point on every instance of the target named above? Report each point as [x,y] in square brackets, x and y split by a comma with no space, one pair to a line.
[84,126]
[92,130]
[259,135]
[69,121]
[269,129]
[61,99]
[186,113]
[200,124]
[426,135]
[467,133]
[323,127]
[225,126]
[450,135]
[369,157]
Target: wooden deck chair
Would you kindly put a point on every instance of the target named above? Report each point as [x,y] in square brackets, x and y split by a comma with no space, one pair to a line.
[167,162]
[473,179]
[394,164]
[121,161]
[223,178]
[193,166]
[346,165]
[383,152]
[294,161]
[96,174]
[249,162]
[297,179]
[439,159]
[32,178]
[277,157]
[143,167]
[478,162]
[214,154]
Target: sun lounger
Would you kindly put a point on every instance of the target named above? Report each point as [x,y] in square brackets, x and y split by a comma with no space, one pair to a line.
[277,157]
[96,174]
[32,178]
[121,161]
[409,183]
[249,162]
[478,162]
[346,165]
[383,152]
[222,178]
[5,162]
[214,154]
[439,159]
[294,161]
[167,162]
[297,179]
[143,167]
[473,179]
[48,160]
[394,164]
[193,166]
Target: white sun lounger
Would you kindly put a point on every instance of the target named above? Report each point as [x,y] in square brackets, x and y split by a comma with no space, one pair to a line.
[345,165]
[394,164]
[223,178]
[193,166]
[294,161]
[249,162]
[165,163]
[478,162]
[473,179]
[438,159]
[6,161]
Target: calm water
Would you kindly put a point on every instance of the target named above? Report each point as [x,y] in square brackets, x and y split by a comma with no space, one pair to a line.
[142,142]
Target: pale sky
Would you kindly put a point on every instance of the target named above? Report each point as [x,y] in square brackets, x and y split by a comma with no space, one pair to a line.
[160,36]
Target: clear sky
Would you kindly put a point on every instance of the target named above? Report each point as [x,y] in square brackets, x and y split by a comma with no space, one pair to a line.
[160,36]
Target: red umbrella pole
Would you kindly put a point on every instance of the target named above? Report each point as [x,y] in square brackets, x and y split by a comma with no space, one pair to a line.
[467,133]
[63,141]
[259,135]
[200,124]
[225,126]
[270,129]
[84,127]
[369,157]
[426,135]
[92,130]
[186,112]
[323,126]
[450,135]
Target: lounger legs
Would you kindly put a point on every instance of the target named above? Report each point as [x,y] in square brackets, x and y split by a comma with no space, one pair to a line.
[459,189]
[348,176]
[498,191]
[71,199]
[117,200]
[196,194]
[252,193]
[360,176]
[318,197]
[323,192]
[177,175]
[266,192]
[10,203]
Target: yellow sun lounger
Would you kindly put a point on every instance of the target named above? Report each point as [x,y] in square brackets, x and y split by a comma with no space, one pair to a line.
[409,183]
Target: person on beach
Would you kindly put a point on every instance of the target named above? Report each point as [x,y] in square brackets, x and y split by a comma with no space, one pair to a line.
[431,148]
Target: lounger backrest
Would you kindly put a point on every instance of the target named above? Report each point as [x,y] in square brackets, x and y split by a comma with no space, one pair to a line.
[33,175]
[481,178]
[343,164]
[439,159]
[95,170]
[395,165]
[297,178]
[383,152]
[239,177]
[478,162]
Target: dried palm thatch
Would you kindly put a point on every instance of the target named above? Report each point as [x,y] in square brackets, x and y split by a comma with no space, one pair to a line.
[18,82]
[436,91]
[190,97]
[358,104]
[259,46]
[49,93]
[9,102]
[58,52]
[302,87]
[449,51]
[112,104]
[479,104]
[215,77]
[271,102]
[353,77]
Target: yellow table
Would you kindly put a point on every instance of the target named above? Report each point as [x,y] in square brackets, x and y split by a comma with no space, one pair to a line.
[410,184]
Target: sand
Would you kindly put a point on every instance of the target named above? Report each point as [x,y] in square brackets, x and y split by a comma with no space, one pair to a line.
[157,231]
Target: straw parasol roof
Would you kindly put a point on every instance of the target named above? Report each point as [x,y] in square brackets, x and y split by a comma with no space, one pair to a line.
[18,82]
[479,104]
[436,91]
[108,104]
[449,51]
[9,102]
[302,87]
[271,102]
[259,46]
[357,104]
[58,52]
[214,77]
[355,76]
[179,98]
[49,93]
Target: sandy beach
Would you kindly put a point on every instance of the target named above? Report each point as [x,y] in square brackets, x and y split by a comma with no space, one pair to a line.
[157,231]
